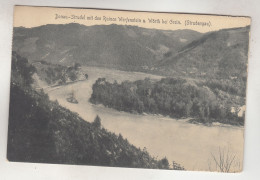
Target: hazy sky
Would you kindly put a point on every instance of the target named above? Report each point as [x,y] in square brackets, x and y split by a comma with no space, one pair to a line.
[27,16]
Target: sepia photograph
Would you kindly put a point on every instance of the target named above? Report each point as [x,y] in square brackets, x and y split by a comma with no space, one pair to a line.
[128,89]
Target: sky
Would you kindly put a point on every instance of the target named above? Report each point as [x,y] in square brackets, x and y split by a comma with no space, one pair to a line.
[29,16]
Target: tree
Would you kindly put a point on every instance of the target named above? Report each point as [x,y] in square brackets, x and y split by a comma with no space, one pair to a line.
[72,76]
[77,66]
[22,70]
[97,122]
[164,163]
[177,166]
[224,161]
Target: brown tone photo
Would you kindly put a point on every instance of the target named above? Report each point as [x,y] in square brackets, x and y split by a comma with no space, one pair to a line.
[128,89]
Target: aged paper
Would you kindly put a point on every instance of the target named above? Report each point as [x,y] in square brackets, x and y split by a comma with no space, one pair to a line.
[128,89]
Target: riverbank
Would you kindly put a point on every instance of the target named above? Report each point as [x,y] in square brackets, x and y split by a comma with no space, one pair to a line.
[188,144]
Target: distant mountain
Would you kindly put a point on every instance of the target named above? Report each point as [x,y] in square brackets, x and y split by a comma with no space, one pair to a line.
[106,45]
[220,54]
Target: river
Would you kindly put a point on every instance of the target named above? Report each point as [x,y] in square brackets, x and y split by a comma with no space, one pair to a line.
[191,145]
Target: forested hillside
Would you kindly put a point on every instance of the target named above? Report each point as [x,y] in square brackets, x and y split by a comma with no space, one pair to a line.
[123,47]
[175,97]
[220,54]
[42,131]
[56,74]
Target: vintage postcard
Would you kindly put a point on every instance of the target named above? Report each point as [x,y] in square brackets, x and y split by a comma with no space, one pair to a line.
[128,89]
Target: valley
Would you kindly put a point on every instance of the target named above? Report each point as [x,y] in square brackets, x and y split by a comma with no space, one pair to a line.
[190,89]
[188,144]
